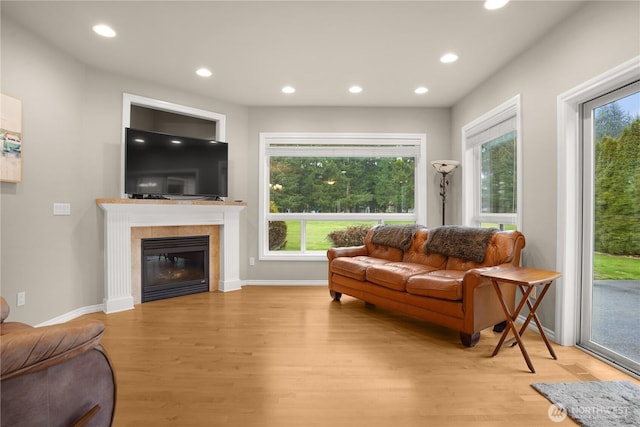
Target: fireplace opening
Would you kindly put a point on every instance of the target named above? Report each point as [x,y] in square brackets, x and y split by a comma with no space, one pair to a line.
[174,266]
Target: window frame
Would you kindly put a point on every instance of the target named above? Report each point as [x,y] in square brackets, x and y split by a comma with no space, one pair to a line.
[270,139]
[472,214]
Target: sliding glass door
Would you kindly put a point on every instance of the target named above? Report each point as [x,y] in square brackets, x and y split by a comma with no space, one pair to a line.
[610,306]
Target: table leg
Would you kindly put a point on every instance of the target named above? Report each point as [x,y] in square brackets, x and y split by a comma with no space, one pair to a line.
[534,316]
[511,326]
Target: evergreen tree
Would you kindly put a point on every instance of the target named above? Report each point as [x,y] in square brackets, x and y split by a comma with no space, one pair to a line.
[610,120]
[617,186]
[343,185]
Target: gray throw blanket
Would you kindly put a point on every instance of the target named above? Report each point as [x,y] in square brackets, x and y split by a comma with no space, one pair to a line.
[467,243]
[395,236]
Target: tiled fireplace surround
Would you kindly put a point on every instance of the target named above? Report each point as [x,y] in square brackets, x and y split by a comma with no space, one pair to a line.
[128,221]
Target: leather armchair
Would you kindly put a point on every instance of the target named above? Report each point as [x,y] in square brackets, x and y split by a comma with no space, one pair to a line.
[55,375]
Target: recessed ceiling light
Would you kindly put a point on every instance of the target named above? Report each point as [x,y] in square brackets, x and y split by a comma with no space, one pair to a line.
[421,90]
[448,58]
[288,89]
[176,141]
[204,72]
[104,30]
[355,89]
[495,4]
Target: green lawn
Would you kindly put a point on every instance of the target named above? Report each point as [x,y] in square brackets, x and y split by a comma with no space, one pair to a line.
[611,267]
[508,227]
[317,232]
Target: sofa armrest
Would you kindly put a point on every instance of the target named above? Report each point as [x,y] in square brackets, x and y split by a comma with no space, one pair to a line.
[349,251]
[473,278]
[480,302]
[34,349]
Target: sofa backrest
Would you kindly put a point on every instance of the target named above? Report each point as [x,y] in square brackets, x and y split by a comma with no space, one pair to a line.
[504,247]
[416,254]
[381,251]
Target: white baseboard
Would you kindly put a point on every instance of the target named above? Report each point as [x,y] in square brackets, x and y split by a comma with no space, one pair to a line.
[116,304]
[73,314]
[230,285]
[285,283]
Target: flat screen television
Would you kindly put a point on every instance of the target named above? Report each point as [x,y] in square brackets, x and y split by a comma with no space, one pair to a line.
[158,165]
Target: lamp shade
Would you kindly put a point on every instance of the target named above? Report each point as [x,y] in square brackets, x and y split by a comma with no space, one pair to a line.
[445,166]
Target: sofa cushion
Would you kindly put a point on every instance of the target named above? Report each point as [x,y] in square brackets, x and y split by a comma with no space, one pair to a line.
[394,275]
[4,309]
[11,327]
[355,267]
[34,349]
[443,284]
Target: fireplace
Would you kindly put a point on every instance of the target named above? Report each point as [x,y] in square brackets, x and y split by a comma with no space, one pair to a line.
[174,266]
[127,221]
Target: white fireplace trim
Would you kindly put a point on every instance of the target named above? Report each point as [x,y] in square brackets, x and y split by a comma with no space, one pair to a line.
[122,214]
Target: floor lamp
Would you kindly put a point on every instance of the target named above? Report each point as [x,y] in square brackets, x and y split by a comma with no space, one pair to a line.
[444,167]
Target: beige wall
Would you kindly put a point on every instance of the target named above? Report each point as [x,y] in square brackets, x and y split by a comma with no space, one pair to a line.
[598,37]
[72,119]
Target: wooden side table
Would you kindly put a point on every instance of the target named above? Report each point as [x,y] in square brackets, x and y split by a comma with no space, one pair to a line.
[526,279]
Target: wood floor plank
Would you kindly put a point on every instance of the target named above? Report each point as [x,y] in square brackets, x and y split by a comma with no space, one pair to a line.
[289,356]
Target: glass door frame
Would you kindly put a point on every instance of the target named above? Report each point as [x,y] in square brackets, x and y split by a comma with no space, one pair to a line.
[587,224]
[569,205]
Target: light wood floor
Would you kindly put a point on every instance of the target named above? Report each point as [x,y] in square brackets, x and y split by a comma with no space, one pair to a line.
[289,356]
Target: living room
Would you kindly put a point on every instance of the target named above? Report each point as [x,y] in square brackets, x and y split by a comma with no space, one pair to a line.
[72,127]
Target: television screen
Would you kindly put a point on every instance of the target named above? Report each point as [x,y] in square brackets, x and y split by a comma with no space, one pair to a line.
[158,164]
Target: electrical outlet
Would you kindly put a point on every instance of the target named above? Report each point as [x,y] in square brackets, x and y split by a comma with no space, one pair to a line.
[21,299]
[534,292]
[252,261]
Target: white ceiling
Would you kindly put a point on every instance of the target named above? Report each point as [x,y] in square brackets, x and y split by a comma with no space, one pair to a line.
[319,47]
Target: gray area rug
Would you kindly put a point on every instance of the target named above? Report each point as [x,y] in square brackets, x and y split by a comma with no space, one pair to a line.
[593,403]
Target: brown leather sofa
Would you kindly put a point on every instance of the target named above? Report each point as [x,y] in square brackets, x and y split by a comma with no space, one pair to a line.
[406,274]
[55,375]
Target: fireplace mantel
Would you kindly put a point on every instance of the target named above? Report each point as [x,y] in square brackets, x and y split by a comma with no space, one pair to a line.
[120,215]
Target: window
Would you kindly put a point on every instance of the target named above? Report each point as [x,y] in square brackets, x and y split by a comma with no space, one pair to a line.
[491,147]
[315,184]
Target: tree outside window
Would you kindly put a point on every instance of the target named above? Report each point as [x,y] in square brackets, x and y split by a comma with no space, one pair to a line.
[322,189]
[499,175]
[491,188]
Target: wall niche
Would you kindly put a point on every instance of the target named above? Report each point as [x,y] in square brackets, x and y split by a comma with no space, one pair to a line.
[147,118]
[139,112]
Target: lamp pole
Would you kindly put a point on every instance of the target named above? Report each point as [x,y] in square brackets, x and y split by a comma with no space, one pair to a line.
[444,168]
[443,191]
